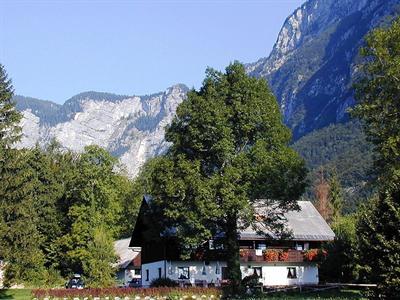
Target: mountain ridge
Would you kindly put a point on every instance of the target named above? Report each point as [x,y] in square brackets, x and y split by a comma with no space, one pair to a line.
[315,59]
[130,127]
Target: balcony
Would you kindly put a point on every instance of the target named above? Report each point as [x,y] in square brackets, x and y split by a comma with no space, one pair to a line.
[281,255]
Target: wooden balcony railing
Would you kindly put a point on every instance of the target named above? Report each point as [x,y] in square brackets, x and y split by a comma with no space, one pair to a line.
[271,255]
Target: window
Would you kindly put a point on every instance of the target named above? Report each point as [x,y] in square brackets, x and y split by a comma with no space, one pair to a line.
[137,271]
[261,246]
[159,272]
[170,270]
[215,245]
[147,275]
[224,273]
[211,244]
[299,246]
[291,273]
[183,272]
[217,269]
[257,271]
[203,270]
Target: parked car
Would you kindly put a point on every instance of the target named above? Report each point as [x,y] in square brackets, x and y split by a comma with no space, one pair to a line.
[135,282]
[76,282]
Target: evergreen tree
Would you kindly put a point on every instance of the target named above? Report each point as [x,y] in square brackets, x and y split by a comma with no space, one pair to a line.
[341,262]
[335,196]
[229,149]
[19,237]
[378,94]
[10,130]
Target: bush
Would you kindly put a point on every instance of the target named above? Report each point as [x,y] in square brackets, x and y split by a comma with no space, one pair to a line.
[251,280]
[317,255]
[163,282]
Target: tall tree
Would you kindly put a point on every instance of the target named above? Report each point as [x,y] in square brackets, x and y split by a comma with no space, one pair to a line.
[19,236]
[229,149]
[341,262]
[335,196]
[322,192]
[99,265]
[94,202]
[378,94]
[10,129]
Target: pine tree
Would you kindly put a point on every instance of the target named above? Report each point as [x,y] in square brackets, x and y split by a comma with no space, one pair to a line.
[379,243]
[378,95]
[341,262]
[9,116]
[335,196]
[19,237]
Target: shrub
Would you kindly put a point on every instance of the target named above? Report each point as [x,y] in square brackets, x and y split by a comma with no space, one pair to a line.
[251,280]
[315,255]
[163,282]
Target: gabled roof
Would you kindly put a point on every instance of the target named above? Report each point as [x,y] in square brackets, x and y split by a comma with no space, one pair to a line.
[305,225]
[124,253]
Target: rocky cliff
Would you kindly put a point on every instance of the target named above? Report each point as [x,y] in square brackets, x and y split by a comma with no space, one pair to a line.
[314,61]
[130,127]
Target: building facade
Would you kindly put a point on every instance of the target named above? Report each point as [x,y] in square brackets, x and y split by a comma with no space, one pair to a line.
[275,262]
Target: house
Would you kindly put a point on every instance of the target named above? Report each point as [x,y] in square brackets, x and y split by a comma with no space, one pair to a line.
[290,261]
[129,262]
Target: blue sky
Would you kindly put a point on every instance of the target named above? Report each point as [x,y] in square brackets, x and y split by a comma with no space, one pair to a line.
[55,49]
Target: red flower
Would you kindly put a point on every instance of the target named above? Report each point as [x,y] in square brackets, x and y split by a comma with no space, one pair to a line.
[271,255]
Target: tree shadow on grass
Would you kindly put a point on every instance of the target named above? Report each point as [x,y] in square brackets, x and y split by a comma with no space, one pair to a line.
[4,294]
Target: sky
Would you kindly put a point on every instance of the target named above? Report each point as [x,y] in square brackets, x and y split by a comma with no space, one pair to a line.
[56,49]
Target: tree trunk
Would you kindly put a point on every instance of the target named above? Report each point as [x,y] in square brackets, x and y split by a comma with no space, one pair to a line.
[232,253]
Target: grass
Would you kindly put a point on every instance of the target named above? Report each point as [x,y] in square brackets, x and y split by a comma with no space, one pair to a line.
[17,294]
[327,295]
[25,294]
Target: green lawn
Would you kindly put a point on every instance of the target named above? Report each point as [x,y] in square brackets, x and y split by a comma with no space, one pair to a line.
[18,294]
[331,294]
[25,294]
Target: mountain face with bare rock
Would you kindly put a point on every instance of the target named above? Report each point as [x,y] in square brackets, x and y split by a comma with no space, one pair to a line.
[129,127]
[316,57]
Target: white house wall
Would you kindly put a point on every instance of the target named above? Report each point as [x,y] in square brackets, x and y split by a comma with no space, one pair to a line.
[195,270]
[271,275]
[153,272]
[277,275]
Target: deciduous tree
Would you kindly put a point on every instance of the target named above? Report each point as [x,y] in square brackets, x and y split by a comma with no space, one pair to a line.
[229,149]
